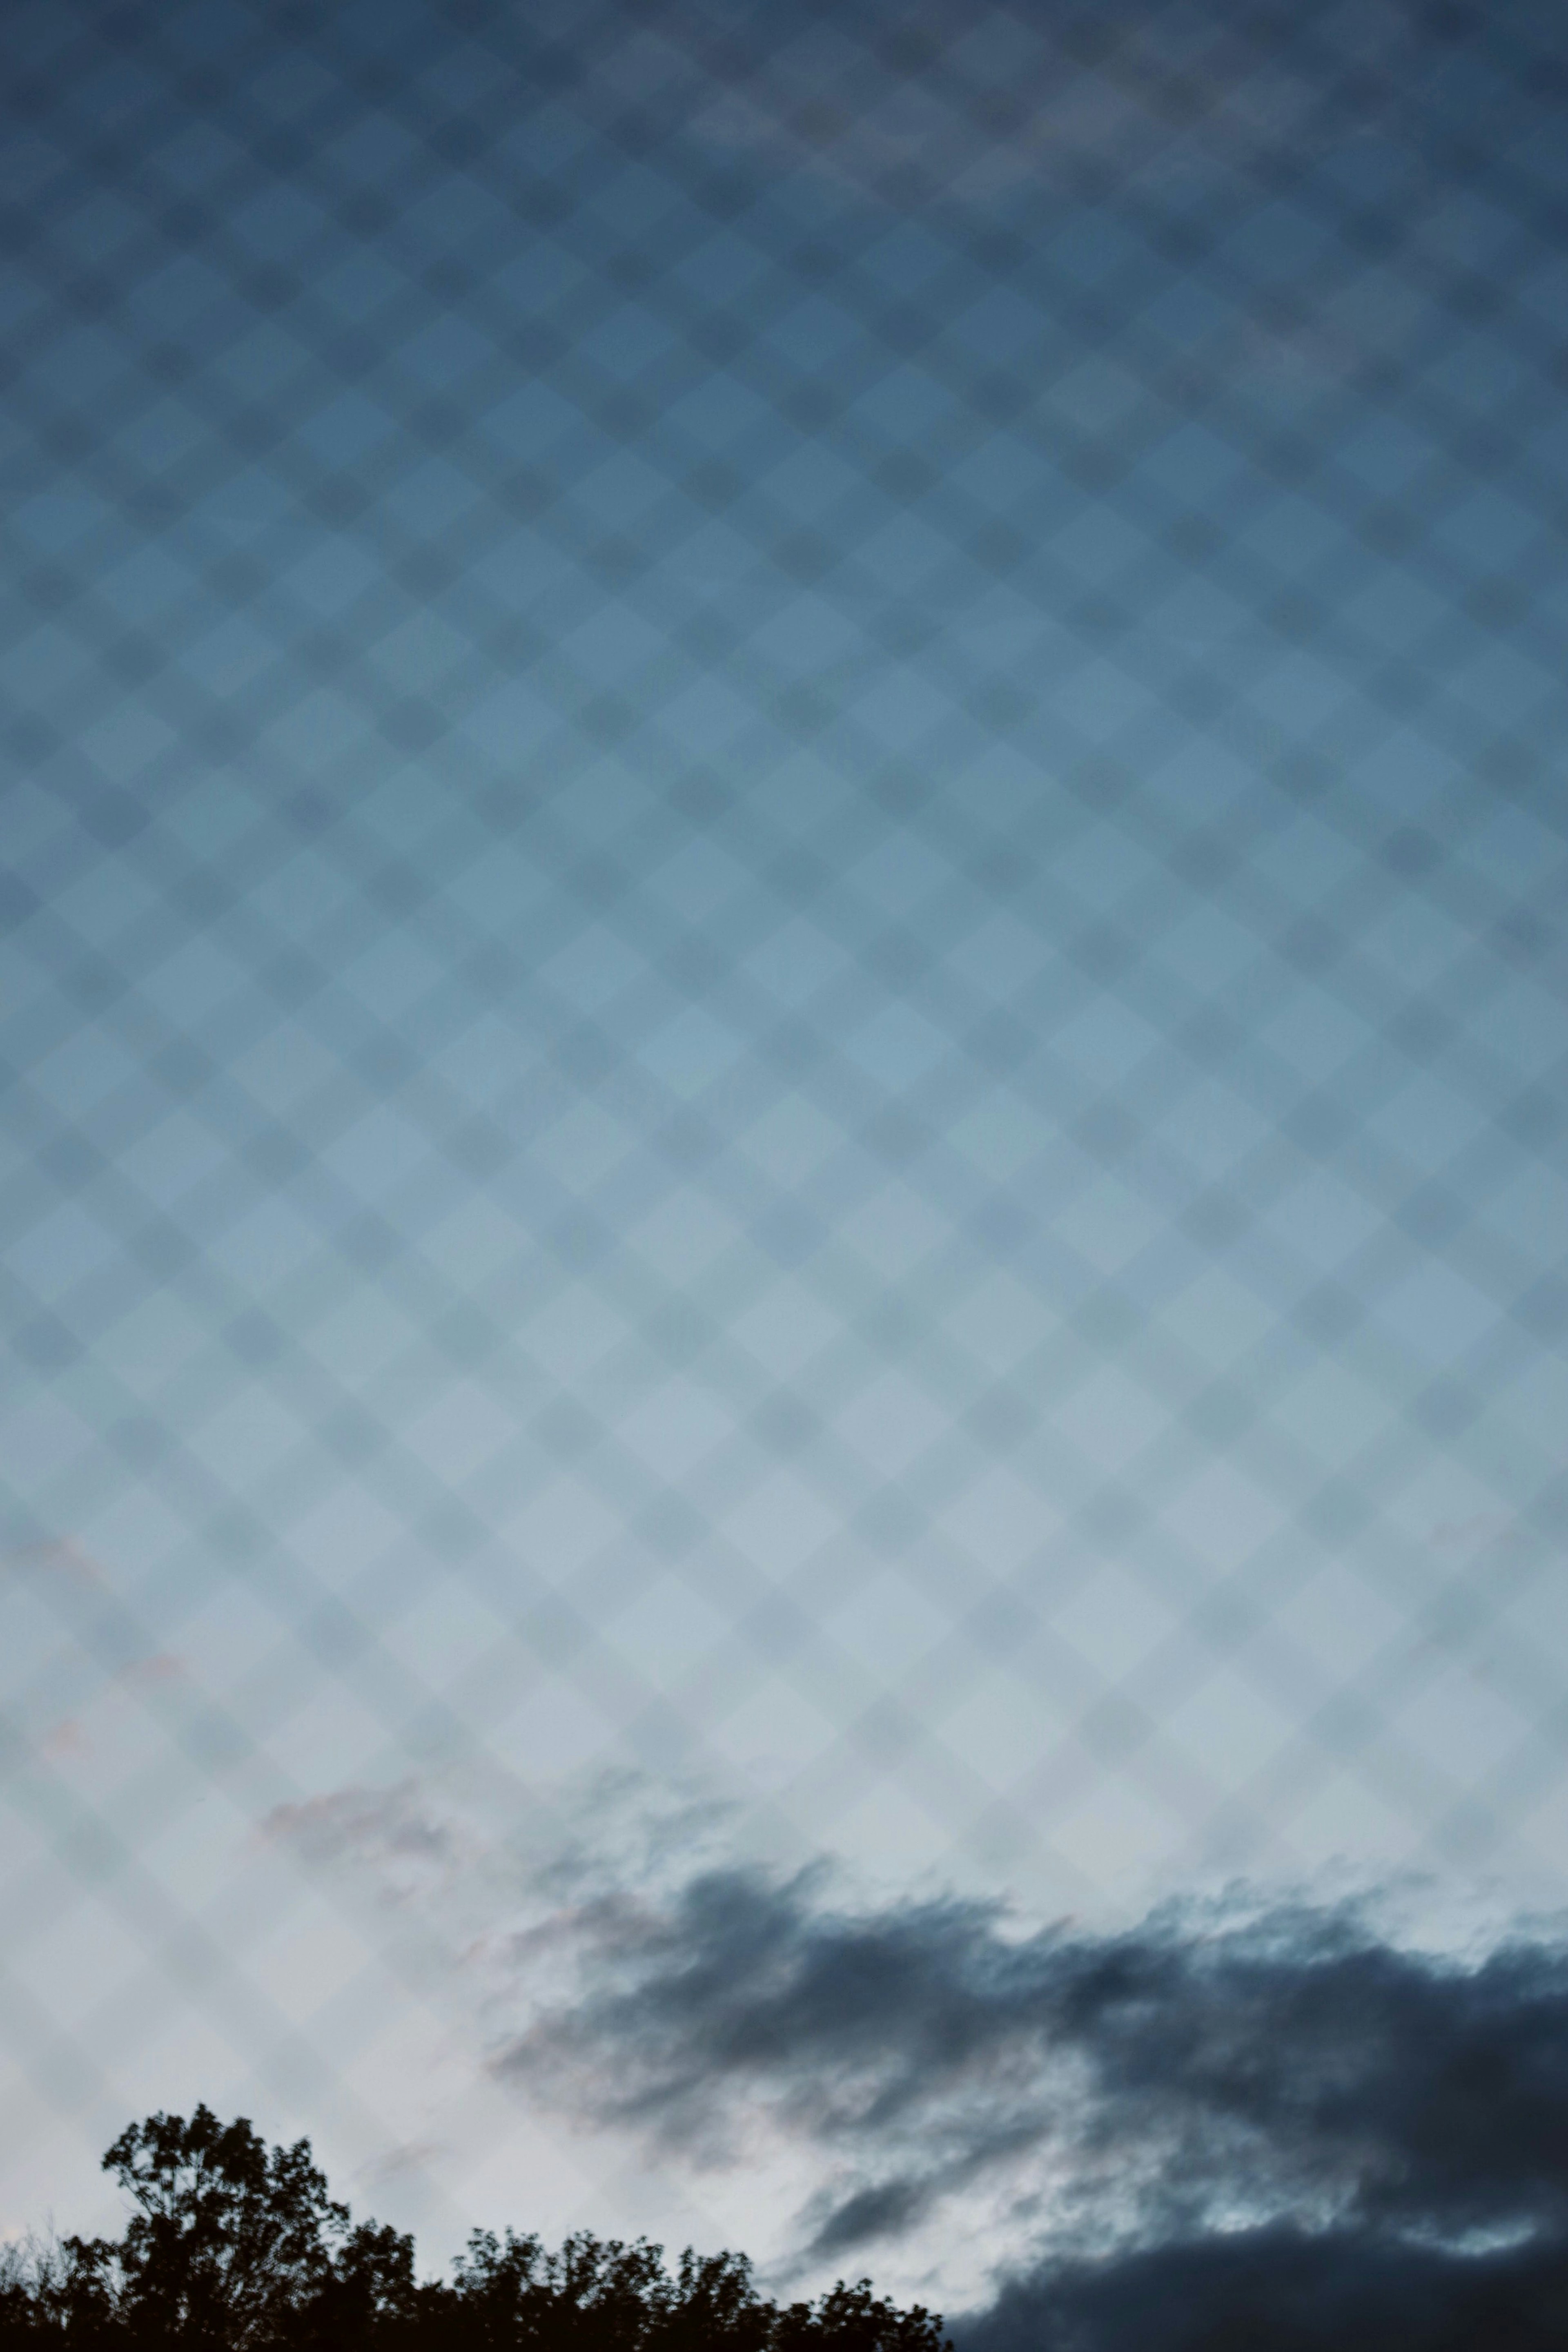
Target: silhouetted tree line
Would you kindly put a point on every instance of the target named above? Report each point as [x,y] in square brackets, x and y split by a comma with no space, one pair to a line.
[233,2246]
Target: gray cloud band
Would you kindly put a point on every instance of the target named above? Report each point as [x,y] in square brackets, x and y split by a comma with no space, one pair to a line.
[1278,2120]
[1196,2074]
[1283,2291]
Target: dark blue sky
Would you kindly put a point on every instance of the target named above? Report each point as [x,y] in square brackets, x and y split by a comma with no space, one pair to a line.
[782,982]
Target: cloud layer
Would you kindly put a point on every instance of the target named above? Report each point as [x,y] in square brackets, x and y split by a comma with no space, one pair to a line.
[1281,2291]
[911,104]
[1220,2118]
[1184,2075]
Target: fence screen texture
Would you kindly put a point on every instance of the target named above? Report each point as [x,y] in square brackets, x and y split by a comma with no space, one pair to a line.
[782,1021]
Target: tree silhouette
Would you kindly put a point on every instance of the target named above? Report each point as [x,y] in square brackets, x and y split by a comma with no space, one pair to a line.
[236,2247]
[229,2238]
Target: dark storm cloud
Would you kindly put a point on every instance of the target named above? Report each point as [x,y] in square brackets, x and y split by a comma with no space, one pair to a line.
[1280,2290]
[1191,2073]
[1223,2127]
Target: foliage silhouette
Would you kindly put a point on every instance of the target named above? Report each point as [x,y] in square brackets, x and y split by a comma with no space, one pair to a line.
[232,2246]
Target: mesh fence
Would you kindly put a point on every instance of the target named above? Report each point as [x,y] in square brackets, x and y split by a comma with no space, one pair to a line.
[782,974]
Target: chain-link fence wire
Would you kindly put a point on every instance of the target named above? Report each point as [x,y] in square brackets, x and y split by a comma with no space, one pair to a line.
[783,962]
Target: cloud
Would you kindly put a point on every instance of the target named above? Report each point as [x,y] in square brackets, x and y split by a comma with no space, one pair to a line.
[1281,2291]
[55,1557]
[926,104]
[158,1670]
[1272,2118]
[408,2160]
[394,1835]
[1212,115]
[1192,2073]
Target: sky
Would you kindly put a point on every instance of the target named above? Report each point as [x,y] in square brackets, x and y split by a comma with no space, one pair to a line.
[782,1197]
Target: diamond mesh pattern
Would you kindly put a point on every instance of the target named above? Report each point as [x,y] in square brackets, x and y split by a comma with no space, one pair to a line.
[783,966]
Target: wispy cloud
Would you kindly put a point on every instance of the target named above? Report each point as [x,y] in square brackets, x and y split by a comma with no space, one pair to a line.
[1181,115]
[929,103]
[52,1557]
[1275,2100]
[396,1835]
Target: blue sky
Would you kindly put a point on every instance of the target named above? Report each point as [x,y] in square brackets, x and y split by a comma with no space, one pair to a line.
[783,1000]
